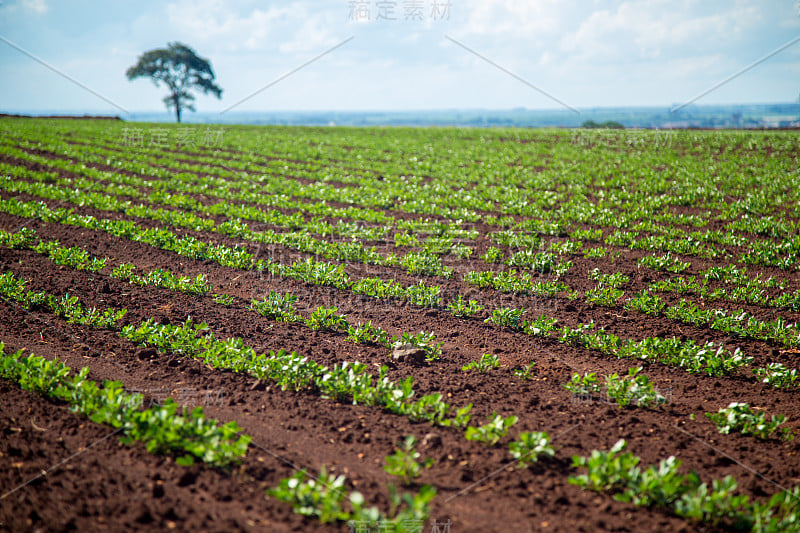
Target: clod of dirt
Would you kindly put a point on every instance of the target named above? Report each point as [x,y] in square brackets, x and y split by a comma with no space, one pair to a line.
[431,440]
[408,353]
[146,353]
[258,385]
[188,478]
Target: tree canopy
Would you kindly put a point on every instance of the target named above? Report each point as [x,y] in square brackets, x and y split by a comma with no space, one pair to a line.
[181,70]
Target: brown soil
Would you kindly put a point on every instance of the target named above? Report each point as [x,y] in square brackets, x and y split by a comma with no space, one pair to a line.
[113,487]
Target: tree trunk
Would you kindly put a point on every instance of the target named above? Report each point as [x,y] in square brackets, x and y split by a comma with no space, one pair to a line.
[177,102]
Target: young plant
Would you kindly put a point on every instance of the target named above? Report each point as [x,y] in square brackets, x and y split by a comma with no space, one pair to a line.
[605,296]
[777,375]
[322,497]
[367,334]
[163,279]
[19,240]
[223,299]
[664,263]
[741,418]
[483,365]
[526,372]
[327,319]
[584,386]
[595,253]
[647,303]
[661,485]
[614,281]
[565,247]
[164,429]
[506,317]
[461,251]
[574,295]
[462,309]
[533,260]
[405,239]
[423,340]
[636,389]
[541,327]
[606,471]
[404,463]
[595,235]
[492,432]
[408,510]
[425,263]
[529,446]
[492,255]
[74,257]
[549,289]
[277,306]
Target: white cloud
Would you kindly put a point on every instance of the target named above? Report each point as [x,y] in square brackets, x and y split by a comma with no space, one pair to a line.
[37,6]
[617,31]
[585,52]
[638,30]
[514,19]
[312,36]
[220,23]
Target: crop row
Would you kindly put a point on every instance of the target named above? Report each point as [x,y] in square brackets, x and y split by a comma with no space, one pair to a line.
[274,305]
[309,270]
[675,236]
[163,429]
[681,181]
[674,241]
[752,293]
[170,429]
[311,174]
[425,262]
[250,191]
[740,323]
[343,382]
[716,505]
[688,356]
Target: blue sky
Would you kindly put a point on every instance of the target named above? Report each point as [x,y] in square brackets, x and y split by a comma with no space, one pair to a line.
[586,53]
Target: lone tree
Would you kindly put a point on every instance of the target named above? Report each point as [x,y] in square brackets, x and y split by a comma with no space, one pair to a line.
[181,70]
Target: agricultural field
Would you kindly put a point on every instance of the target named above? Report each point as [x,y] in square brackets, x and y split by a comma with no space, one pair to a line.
[398,330]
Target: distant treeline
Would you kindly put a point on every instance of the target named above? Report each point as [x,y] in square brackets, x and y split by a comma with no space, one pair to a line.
[692,116]
[608,124]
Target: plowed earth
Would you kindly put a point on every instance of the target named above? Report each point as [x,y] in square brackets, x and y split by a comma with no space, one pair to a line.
[93,483]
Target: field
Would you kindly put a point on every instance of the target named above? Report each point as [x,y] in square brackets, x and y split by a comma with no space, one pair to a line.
[405,330]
